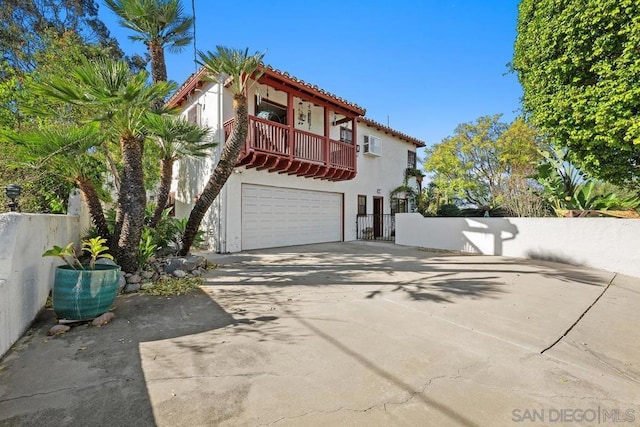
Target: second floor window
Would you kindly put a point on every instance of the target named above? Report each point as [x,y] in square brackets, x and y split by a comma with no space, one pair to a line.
[411,159]
[346,135]
[193,115]
[269,110]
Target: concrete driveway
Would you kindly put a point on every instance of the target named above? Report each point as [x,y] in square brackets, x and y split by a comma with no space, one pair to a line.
[346,334]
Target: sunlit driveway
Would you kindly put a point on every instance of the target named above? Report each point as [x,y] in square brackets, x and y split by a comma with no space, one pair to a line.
[362,334]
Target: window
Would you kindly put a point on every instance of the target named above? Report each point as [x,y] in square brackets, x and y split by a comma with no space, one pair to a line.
[399,205]
[372,145]
[362,205]
[346,135]
[193,115]
[411,159]
[269,110]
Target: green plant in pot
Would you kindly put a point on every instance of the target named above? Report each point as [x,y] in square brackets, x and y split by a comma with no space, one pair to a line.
[84,291]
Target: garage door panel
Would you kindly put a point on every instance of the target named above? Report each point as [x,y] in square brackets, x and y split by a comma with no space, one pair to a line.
[275,216]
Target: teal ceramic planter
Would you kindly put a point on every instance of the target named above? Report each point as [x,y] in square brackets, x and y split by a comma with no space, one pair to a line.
[84,294]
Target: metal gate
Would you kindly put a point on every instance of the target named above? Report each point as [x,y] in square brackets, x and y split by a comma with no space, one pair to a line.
[376,227]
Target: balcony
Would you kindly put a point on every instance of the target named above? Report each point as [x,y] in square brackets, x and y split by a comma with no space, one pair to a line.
[280,148]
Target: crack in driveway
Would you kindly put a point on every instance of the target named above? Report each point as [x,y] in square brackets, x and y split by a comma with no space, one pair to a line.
[581,316]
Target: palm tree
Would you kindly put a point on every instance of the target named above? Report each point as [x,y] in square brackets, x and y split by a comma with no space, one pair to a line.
[159,24]
[71,151]
[175,138]
[122,101]
[240,67]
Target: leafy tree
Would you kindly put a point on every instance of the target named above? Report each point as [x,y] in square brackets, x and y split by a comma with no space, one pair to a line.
[121,101]
[175,138]
[26,26]
[240,67]
[579,64]
[43,190]
[480,159]
[157,23]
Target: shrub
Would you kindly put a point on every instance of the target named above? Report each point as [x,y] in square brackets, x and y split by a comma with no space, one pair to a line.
[448,210]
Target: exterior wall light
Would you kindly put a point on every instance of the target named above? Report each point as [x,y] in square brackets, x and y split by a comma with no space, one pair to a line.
[13,191]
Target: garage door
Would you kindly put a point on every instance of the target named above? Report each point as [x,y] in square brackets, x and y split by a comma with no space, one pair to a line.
[276,216]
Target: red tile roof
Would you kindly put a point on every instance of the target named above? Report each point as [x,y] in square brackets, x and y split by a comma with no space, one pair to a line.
[196,78]
[390,131]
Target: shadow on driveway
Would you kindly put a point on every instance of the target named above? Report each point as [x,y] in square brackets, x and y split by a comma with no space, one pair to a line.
[93,376]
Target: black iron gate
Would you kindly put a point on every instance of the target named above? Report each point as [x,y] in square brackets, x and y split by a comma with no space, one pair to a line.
[376,227]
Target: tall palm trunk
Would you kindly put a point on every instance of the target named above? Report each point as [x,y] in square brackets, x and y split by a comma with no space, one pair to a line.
[131,204]
[166,175]
[224,168]
[158,66]
[95,207]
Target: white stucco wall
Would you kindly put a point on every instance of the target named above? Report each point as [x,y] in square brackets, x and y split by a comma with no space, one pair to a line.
[603,243]
[191,175]
[26,277]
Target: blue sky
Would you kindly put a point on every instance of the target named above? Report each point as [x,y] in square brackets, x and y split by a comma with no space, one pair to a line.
[427,65]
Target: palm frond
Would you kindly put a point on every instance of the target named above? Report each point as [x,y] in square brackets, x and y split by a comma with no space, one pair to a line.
[175,137]
[234,63]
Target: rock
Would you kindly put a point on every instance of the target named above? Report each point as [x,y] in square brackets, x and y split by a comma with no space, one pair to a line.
[103,319]
[105,261]
[172,264]
[200,261]
[147,274]
[132,287]
[134,279]
[58,330]
[179,274]
[121,283]
[196,273]
[167,251]
[147,285]
[187,263]
[151,260]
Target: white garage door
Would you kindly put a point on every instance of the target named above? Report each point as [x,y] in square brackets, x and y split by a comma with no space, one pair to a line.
[275,216]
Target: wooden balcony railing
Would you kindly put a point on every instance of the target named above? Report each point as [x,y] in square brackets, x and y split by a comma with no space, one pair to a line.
[284,149]
[308,146]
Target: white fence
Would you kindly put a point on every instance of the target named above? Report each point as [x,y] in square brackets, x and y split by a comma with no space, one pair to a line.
[26,277]
[602,243]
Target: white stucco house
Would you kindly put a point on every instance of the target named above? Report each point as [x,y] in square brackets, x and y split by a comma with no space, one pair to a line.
[313,169]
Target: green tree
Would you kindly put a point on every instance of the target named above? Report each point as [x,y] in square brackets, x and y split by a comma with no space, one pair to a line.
[175,138]
[480,159]
[579,65]
[57,54]
[157,23]
[27,25]
[71,152]
[121,101]
[240,67]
